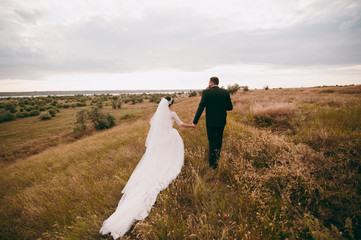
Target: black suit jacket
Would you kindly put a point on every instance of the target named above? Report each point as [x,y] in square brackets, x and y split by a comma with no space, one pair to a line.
[217,102]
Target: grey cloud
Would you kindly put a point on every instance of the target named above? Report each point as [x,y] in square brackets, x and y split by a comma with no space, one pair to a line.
[180,40]
[29,16]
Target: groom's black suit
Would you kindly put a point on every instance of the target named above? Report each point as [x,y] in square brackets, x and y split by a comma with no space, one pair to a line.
[217,102]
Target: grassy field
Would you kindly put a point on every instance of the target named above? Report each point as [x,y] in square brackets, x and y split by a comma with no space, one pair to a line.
[28,136]
[290,168]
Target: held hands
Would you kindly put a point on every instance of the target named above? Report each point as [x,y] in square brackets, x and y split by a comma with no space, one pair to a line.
[185,125]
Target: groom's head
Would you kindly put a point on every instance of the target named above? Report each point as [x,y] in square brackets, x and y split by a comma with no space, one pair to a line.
[214,81]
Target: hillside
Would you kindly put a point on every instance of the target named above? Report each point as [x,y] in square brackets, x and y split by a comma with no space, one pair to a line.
[290,168]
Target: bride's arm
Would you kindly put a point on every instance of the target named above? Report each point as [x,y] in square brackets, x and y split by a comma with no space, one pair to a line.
[185,125]
[180,123]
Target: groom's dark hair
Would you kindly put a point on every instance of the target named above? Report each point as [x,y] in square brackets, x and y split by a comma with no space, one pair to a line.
[215,80]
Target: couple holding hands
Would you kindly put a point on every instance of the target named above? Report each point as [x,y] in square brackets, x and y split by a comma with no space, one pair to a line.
[164,156]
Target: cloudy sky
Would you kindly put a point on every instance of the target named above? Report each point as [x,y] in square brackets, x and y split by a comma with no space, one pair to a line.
[168,44]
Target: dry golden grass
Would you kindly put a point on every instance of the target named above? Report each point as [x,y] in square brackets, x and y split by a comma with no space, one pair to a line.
[273,110]
[297,178]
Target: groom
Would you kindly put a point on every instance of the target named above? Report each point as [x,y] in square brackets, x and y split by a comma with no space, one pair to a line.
[217,102]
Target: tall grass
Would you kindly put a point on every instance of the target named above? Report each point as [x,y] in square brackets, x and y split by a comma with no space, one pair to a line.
[59,186]
[273,182]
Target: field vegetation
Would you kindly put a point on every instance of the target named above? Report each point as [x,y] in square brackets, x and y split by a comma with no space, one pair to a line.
[290,169]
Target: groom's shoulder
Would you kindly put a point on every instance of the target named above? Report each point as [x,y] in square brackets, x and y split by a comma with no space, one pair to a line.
[206,91]
[218,90]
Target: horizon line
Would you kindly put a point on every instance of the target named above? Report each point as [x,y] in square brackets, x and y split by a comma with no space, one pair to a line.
[154,90]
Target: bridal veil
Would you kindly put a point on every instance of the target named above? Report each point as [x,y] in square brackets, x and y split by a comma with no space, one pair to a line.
[160,164]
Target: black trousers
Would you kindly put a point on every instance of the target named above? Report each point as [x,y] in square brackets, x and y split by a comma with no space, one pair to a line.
[215,136]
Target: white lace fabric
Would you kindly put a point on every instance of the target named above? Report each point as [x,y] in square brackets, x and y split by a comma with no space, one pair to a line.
[160,164]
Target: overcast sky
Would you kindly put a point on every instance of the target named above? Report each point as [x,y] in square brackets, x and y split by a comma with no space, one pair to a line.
[166,44]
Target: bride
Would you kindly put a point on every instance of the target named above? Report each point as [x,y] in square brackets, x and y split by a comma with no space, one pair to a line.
[160,164]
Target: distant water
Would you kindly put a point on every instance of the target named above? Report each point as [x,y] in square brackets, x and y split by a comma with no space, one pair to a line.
[88,92]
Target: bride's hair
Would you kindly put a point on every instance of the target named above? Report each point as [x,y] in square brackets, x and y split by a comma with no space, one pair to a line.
[170,101]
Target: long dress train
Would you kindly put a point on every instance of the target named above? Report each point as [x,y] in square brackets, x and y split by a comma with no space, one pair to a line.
[160,164]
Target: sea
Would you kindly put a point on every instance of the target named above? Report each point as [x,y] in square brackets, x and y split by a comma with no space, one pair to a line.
[87,92]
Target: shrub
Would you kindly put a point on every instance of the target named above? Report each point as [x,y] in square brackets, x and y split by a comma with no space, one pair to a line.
[155,98]
[232,89]
[99,104]
[6,116]
[245,88]
[45,116]
[22,114]
[266,88]
[11,107]
[114,104]
[99,119]
[140,99]
[81,104]
[192,94]
[34,112]
[80,122]
[60,105]
[52,112]
[119,104]
[136,99]
[111,120]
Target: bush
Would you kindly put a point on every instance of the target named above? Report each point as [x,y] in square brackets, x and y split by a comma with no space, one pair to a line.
[99,119]
[34,112]
[81,104]
[28,109]
[111,120]
[6,116]
[114,104]
[45,116]
[192,94]
[22,114]
[155,98]
[60,105]
[232,89]
[11,107]
[119,104]
[245,88]
[99,104]
[81,117]
[52,112]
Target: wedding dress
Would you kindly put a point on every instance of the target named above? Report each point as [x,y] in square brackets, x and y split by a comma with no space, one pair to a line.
[160,164]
